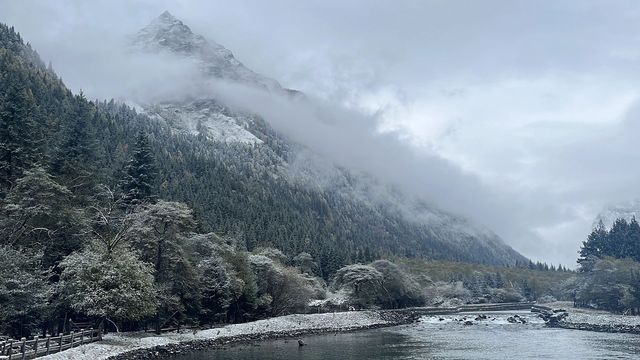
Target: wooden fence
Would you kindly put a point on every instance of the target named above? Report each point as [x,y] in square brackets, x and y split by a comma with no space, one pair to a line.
[29,349]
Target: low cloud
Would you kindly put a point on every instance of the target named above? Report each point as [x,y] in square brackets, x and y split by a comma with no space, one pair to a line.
[521,115]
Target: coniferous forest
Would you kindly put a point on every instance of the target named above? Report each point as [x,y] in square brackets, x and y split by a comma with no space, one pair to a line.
[109,216]
[609,268]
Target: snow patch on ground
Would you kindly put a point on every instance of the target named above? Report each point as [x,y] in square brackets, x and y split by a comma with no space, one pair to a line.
[578,316]
[204,117]
[114,344]
[339,298]
[602,318]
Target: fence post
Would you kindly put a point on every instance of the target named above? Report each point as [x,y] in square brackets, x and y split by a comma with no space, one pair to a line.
[35,345]
[48,344]
[81,337]
[22,348]
[60,342]
[10,348]
[90,334]
[72,335]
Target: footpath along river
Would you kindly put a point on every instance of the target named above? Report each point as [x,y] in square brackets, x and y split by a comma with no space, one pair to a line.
[449,338]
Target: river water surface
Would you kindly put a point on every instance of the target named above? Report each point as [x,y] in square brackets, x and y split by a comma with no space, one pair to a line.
[432,338]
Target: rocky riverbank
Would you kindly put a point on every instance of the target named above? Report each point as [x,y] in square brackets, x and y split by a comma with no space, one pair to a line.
[564,316]
[150,346]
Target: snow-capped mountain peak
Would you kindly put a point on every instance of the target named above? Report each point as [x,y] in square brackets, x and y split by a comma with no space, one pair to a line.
[200,115]
[167,33]
[626,210]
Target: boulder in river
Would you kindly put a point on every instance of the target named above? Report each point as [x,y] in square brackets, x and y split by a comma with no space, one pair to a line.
[553,317]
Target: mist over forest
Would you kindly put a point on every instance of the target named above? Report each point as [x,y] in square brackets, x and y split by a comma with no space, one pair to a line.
[162,170]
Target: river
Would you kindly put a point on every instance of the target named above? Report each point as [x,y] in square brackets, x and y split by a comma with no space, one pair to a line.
[432,338]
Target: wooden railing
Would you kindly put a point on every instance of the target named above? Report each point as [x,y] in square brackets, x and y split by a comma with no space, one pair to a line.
[40,346]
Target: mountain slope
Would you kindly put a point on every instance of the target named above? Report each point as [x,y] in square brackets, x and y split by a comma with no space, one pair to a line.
[262,192]
[389,227]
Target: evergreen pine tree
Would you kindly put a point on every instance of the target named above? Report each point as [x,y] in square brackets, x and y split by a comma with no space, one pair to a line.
[632,241]
[617,239]
[17,127]
[592,248]
[139,184]
[75,154]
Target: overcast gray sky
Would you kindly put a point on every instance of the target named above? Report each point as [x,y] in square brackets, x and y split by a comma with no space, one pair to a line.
[526,112]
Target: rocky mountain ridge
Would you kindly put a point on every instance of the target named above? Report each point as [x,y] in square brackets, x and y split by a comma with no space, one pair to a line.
[167,33]
[626,210]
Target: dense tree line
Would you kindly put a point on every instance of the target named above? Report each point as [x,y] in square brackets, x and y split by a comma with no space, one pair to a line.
[621,241]
[609,261]
[539,265]
[475,283]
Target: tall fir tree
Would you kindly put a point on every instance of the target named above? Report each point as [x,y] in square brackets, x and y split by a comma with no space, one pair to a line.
[632,241]
[616,240]
[18,147]
[592,248]
[140,182]
[75,155]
